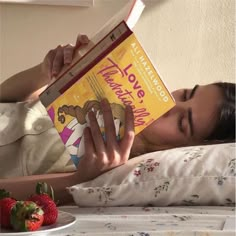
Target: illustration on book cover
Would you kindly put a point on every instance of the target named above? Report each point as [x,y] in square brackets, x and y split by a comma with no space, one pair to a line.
[72,133]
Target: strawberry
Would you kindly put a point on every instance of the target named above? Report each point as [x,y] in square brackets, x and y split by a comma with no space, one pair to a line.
[6,204]
[26,216]
[46,202]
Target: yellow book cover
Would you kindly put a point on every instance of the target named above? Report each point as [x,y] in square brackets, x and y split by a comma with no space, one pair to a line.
[125,76]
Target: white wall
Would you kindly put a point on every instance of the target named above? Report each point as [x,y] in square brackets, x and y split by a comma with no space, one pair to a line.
[190,41]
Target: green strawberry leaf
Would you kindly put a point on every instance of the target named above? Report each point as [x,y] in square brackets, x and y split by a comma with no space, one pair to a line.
[24,214]
[44,188]
[4,194]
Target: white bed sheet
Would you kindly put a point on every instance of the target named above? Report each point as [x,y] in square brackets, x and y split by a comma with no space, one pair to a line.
[151,221]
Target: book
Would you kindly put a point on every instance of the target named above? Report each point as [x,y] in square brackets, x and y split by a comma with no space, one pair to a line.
[130,13]
[117,68]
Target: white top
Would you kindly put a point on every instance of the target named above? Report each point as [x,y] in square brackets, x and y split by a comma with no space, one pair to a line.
[29,143]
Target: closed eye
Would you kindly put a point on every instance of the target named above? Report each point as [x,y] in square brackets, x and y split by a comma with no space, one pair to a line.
[190,121]
[184,96]
[180,124]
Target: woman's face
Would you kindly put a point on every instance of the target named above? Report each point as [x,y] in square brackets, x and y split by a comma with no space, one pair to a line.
[189,122]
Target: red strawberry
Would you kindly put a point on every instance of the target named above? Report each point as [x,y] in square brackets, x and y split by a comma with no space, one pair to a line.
[43,200]
[26,216]
[49,207]
[6,204]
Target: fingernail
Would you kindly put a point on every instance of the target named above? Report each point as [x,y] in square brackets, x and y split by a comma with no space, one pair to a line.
[104,102]
[91,115]
[128,108]
[84,39]
[54,73]
[68,60]
[53,78]
[55,70]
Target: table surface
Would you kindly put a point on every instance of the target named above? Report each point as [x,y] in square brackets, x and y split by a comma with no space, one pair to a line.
[140,221]
[147,221]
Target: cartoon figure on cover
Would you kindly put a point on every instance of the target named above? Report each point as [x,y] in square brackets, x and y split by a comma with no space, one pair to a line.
[72,133]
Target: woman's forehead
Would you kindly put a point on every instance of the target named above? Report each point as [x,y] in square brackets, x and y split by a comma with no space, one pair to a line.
[205,106]
[205,92]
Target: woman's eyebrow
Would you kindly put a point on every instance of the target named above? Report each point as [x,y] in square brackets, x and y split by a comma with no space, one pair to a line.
[190,119]
[193,91]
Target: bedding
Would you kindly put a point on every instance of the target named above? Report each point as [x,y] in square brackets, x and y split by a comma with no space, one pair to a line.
[196,175]
[151,221]
[29,144]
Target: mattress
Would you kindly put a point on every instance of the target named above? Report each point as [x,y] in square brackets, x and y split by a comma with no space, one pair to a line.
[149,221]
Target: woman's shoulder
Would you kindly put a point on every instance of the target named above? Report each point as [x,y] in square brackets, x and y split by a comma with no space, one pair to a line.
[21,118]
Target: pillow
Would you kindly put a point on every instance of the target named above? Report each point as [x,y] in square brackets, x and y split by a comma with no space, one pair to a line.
[195,175]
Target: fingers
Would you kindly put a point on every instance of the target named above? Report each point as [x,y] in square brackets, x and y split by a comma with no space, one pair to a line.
[96,133]
[128,139]
[103,156]
[81,40]
[48,62]
[68,53]
[88,142]
[62,55]
[111,145]
[58,61]
[108,123]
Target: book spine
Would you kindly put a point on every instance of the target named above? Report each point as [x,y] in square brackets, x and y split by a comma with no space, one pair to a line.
[85,63]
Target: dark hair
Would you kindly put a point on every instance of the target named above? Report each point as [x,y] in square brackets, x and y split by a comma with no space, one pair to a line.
[225,127]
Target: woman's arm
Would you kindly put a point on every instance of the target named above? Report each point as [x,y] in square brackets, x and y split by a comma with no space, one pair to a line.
[100,156]
[30,83]
[25,85]
[22,187]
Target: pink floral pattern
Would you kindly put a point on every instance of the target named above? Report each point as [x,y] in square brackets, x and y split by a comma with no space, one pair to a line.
[148,165]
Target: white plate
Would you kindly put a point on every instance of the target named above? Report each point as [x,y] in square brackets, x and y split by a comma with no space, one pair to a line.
[64,220]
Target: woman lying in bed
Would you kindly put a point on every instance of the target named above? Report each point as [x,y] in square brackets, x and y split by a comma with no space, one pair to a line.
[203,114]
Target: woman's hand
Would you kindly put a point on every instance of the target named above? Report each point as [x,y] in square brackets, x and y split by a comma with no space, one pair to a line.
[28,84]
[101,156]
[56,59]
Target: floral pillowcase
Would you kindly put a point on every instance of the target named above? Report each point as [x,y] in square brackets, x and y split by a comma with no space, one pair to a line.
[196,175]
